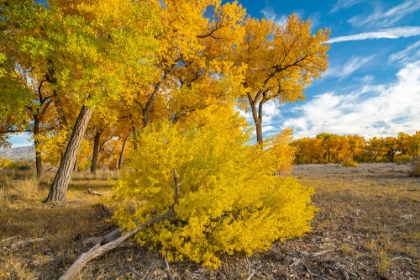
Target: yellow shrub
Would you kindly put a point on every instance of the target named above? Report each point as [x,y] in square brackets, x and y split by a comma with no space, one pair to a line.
[349,163]
[229,200]
[5,162]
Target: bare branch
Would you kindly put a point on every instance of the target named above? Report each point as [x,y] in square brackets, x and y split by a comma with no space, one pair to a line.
[168,270]
[25,242]
[99,249]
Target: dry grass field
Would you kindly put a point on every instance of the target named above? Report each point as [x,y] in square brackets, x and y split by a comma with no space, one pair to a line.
[367,227]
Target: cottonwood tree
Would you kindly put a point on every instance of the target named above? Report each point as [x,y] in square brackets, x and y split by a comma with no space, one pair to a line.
[282,61]
[227,201]
[414,144]
[357,147]
[309,150]
[26,101]
[123,35]
[87,48]
[192,55]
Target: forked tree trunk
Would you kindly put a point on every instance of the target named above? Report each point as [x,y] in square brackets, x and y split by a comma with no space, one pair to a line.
[61,181]
[95,152]
[121,158]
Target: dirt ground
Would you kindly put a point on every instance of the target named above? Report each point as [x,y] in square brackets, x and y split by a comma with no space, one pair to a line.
[367,227]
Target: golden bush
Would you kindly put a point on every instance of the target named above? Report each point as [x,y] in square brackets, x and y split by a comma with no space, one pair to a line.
[349,163]
[229,199]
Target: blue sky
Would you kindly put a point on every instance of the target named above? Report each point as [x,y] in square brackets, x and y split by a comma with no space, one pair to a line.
[372,86]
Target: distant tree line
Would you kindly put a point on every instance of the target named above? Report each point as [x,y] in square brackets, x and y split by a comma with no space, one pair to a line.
[333,148]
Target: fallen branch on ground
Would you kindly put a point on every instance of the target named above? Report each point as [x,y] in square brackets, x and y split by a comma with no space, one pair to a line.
[99,249]
[113,235]
[94,192]
[22,243]
[9,239]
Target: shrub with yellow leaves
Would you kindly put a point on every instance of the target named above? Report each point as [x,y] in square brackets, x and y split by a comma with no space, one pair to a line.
[229,200]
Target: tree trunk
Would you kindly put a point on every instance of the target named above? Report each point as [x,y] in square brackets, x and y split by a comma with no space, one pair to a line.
[95,153]
[38,160]
[61,181]
[258,128]
[257,116]
[121,158]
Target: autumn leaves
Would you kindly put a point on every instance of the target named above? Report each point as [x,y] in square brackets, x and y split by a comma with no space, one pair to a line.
[163,79]
[121,65]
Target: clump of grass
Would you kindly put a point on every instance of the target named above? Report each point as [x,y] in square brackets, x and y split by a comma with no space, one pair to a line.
[403,159]
[347,249]
[416,168]
[383,262]
[12,268]
[23,165]
[25,188]
[349,163]
[17,189]
[4,198]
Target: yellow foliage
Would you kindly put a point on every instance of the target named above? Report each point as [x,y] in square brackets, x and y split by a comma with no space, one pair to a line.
[229,199]
[5,162]
[349,163]
[281,151]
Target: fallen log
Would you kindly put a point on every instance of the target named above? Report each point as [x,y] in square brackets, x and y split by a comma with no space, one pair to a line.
[113,235]
[99,249]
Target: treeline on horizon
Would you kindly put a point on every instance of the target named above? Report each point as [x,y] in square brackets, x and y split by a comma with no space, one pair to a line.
[333,148]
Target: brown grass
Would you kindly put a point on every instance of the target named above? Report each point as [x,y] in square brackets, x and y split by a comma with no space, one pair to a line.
[367,226]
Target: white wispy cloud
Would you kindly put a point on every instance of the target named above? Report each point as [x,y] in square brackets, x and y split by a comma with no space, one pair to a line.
[411,53]
[351,65]
[343,4]
[271,113]
[373,110]
[384,18]
[315,19]
[389,33]
[269,14]
[367,79]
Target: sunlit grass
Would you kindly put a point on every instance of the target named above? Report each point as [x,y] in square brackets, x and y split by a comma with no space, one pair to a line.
[375,217]
[379,213]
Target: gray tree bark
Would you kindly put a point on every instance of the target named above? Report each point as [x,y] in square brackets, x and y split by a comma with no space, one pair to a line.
[95,153]
[38,160]
[121,158]
[61,181]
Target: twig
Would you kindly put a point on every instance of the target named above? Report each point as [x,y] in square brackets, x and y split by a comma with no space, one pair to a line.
[296,262]
[134,271]
[94,192]
[251,272]
[320,253]
[251,275]
[168,270]
[151,268]
[9,238]
[25,242]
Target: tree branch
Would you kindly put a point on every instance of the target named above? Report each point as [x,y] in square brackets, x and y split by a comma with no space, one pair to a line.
[99,249]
